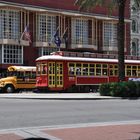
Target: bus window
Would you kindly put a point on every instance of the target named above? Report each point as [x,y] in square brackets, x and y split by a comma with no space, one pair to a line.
[20,74]
[33,75]
[27,73]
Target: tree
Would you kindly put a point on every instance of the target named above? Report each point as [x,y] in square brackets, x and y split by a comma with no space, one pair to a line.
[88,4]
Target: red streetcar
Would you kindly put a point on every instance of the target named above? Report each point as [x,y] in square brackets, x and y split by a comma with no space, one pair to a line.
[77,73]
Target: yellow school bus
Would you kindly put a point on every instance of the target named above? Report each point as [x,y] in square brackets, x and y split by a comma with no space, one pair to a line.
[18,78]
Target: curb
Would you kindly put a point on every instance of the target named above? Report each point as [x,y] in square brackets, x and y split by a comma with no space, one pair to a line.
[58,96]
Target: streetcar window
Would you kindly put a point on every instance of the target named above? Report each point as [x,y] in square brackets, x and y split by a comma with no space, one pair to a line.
[138,70]
[128,70]
[88,69]
[71,69]
[60,81]
[38,72]
[59,69]
[128,67]
[98,69]
[85,69]
[110,72]
[78,69]
[91,69]
[113,70]
[104,69]
[51,68]
[116,66]
[134,70]
[44,68]
[111,66]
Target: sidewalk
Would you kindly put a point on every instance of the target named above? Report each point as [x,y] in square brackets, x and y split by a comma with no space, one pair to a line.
[58,96]
[129,130]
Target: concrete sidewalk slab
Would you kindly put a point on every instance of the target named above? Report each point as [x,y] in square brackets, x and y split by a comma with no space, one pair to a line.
[59,96]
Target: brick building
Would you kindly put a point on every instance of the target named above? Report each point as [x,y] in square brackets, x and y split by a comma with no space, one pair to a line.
[94,31]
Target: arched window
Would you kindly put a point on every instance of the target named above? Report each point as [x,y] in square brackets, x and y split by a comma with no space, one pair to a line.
[134,26]
[133,51]
[134,9]
[134,48]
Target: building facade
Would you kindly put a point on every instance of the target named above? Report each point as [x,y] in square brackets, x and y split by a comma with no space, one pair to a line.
[94,31]
[135,30]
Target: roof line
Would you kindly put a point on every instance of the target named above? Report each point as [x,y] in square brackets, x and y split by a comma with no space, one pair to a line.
[61,11]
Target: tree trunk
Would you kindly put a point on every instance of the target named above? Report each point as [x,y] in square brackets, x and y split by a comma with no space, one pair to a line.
[121,65]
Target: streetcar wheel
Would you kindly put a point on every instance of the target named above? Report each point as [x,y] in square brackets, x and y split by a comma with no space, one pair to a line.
[9,89]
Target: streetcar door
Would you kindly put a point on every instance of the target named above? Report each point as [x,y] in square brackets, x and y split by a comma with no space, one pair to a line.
[55,74]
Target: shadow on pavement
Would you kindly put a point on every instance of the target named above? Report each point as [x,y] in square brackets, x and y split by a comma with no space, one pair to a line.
[36,139]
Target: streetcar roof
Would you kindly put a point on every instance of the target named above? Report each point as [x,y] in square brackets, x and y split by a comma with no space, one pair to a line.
[21,68]
[83,59]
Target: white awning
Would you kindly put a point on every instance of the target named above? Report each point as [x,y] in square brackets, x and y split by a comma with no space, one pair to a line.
[34,9]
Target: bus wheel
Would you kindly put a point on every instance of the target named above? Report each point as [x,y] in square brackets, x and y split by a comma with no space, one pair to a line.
[9,89]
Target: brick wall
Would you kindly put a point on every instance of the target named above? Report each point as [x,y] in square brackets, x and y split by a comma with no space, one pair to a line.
[69,5]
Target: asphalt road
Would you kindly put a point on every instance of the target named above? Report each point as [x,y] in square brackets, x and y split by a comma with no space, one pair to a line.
[19,113]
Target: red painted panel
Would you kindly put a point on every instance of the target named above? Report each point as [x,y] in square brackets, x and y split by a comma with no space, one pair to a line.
[91,80]
[113,79]
[42,81]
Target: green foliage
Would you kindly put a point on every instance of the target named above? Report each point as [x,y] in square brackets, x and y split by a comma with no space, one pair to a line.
[138,89]
[120,89]
[117,89]
[104,89]
[130,89]
[89,4]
